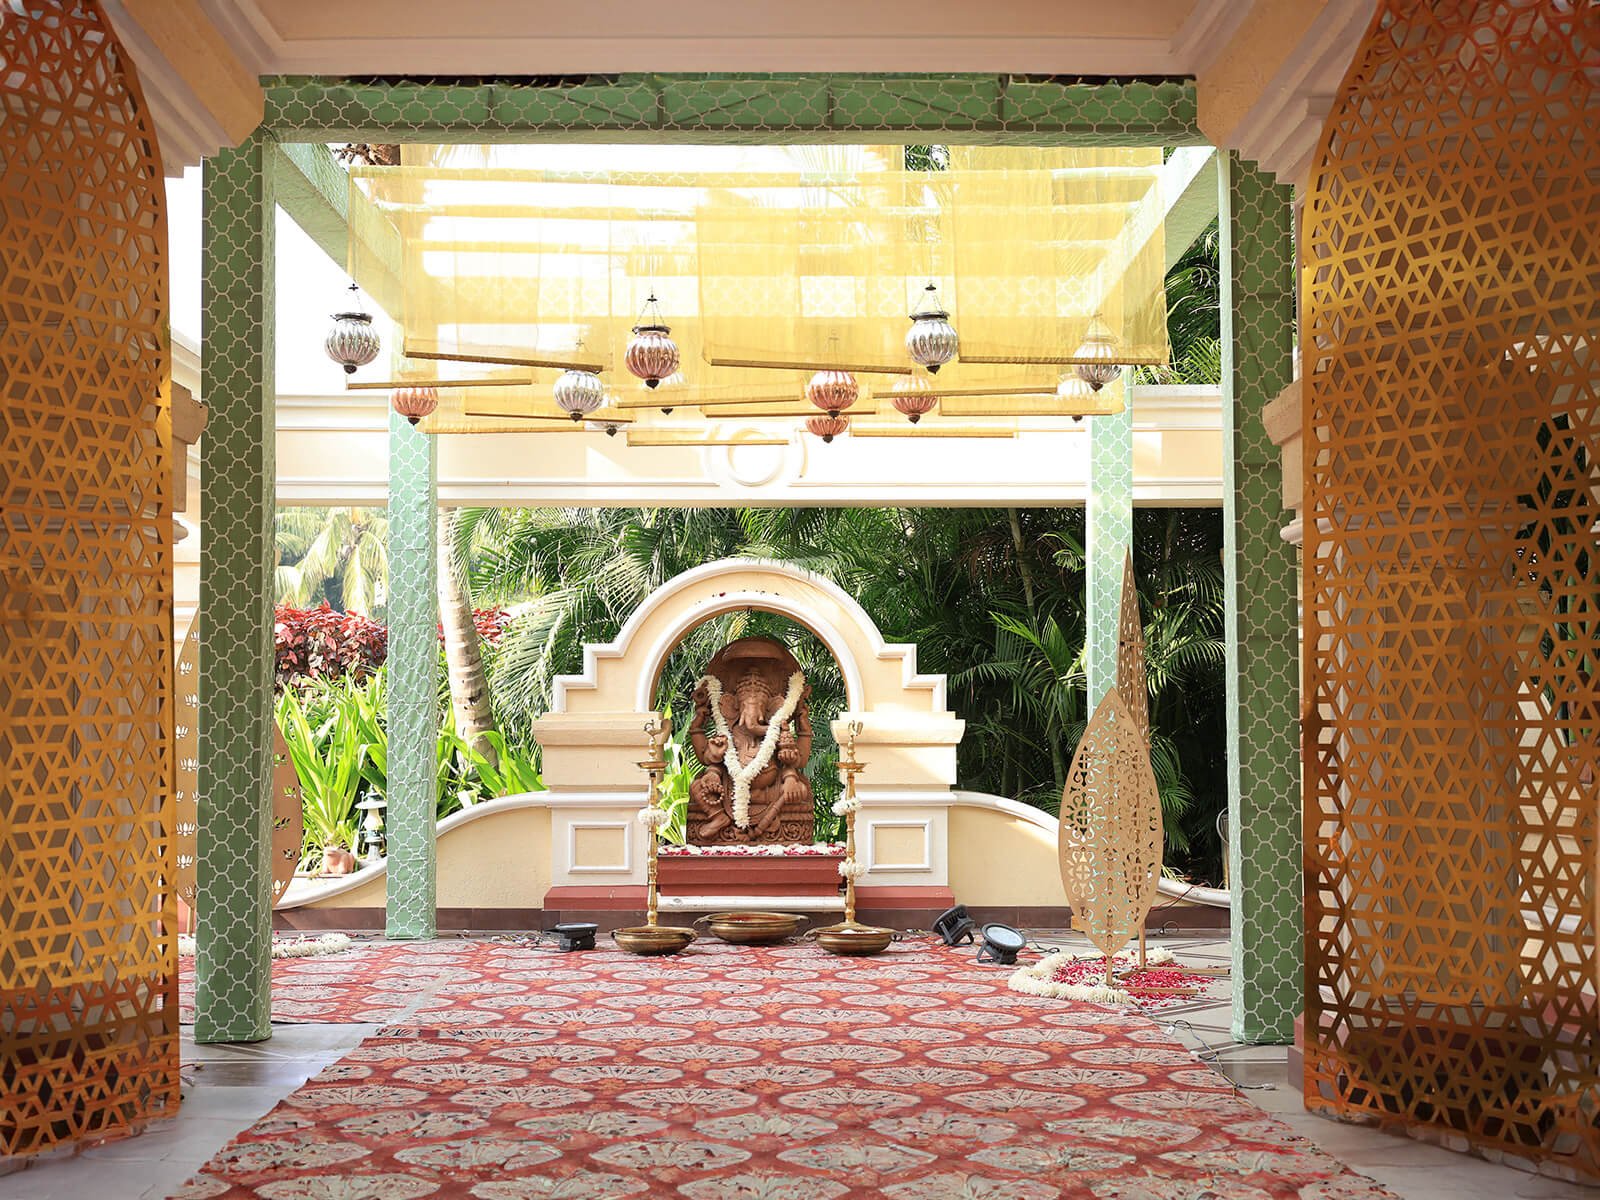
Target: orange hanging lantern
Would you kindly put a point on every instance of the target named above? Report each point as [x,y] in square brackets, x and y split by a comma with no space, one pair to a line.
[827,427]
[414,403]
[833,391]
[913,399]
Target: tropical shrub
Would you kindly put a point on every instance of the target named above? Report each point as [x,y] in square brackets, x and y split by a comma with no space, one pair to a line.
[329,755]
[338,737]
[326,643]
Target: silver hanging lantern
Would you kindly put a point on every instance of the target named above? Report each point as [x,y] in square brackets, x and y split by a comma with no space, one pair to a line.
[579,393]
[931,341]
[652,355]
[352,342]
[833,391]
[1097,358]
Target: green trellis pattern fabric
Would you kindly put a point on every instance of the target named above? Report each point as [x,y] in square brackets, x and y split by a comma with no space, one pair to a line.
[1261,581]
[1108,526]
[413,685]
[734,108]
[237,483]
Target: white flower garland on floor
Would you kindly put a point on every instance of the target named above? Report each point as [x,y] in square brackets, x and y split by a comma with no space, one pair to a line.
[1036,979]
[741,773]
[328,943]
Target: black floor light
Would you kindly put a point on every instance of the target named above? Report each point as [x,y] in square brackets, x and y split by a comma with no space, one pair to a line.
[575,935]
[955,925]
[1001,944]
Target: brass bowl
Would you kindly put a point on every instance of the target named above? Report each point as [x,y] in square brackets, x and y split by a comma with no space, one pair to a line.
[859,940]
[653,939]
[753,928]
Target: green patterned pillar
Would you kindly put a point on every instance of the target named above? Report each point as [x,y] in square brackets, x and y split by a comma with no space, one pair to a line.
[1261,581]
[233,960]
[413,685]
[1108,529]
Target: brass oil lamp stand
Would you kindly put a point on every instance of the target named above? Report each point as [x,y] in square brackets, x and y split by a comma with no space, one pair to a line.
[850,936]
[652,937]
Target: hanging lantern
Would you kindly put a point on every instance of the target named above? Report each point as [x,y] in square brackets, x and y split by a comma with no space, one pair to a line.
[1097,356]
[1076,393]
[652,355]
[931,341]
[414,403]
[827,427]
[579,393]
[833,391]
[352,342]
[913,398]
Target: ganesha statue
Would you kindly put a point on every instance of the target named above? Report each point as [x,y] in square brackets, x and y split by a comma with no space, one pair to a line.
[752,733]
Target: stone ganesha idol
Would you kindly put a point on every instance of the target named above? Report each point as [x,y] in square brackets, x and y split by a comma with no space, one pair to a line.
[752,733]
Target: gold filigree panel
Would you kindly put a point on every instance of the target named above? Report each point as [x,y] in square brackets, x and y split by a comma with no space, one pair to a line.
[88,1013]
[1451,298]
[1110,833]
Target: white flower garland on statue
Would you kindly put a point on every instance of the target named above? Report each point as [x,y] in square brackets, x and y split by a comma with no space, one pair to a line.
[743,773]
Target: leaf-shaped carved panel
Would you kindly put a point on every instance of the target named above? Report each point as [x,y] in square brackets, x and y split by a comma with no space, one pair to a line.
[1110,834]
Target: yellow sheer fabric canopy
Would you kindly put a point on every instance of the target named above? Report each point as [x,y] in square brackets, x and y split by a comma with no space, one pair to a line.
[765,268]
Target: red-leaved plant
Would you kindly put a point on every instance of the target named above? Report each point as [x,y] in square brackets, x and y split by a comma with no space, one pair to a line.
[324,641]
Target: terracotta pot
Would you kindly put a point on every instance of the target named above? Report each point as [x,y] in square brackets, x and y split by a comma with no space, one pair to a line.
[336,860]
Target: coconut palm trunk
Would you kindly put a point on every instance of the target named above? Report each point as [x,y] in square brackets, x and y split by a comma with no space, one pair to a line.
[469,684]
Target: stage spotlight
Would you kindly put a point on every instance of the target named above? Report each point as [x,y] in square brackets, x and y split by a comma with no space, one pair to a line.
[1001,944]
[575,935]
[955,925]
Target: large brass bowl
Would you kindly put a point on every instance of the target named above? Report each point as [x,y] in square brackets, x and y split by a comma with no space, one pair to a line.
[753,928]
[859,940]
[653,939]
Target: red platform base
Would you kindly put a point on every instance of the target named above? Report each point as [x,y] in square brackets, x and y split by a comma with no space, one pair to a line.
[754,875]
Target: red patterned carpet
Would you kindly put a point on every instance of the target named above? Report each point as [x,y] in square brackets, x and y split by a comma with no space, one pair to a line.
[759,1074]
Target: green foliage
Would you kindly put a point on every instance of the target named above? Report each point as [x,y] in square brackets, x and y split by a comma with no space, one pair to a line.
[338,737]
[949,580]
[328,755]
[337,556]
[1194,316]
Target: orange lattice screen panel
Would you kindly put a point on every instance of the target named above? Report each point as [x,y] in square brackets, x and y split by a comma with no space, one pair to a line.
[88,1015]
[1451,302]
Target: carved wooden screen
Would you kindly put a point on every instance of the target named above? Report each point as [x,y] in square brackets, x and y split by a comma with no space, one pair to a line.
[88,1014]
[1452,594]
[1110,834]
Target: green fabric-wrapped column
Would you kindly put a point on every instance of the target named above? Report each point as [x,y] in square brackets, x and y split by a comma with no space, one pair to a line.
[1108,522]
[1261,580]
[233,967]
[413,685]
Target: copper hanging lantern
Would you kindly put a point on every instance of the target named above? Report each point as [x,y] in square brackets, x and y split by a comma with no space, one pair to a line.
[652,355]
[913,399]
[414,403]
[833,391]
[579,393]
[1097,357]
[352,342]
[827,427]
[931,341]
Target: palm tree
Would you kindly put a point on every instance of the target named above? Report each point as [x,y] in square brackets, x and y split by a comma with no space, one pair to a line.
[463,651]
[992,598]
[335,554]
